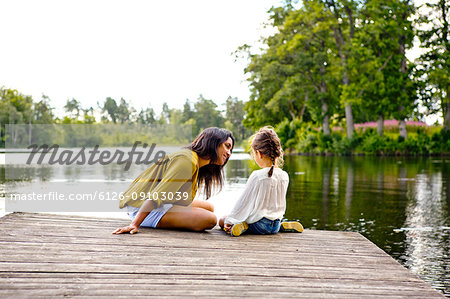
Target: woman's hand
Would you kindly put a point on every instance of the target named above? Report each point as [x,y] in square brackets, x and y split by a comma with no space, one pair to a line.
[132,229]
[227,228]
[140,216]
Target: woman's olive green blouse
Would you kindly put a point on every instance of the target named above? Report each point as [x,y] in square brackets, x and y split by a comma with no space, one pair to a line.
[173,179]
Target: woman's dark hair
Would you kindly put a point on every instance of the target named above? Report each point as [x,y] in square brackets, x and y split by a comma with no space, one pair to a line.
[266,142]
[206,145]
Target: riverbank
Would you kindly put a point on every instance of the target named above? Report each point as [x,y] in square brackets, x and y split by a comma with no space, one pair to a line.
[368,142]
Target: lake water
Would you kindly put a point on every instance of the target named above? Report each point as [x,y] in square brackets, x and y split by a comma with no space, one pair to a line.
[400,204]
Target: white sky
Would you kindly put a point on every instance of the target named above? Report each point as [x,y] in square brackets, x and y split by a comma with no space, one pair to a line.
[147,52]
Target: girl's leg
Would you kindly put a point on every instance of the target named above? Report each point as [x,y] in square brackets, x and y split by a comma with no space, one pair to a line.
[190,218]
[222,222]
[264,227]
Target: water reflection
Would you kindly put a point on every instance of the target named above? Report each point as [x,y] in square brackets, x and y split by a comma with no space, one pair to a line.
[427,233]
[349,190]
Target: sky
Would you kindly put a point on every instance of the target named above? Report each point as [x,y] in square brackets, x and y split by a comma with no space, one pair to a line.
[147,52]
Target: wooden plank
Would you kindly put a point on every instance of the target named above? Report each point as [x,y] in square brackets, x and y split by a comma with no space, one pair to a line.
[59,255]
[116,243]
[227,257]
[195,284]
[99,288]
[280,284]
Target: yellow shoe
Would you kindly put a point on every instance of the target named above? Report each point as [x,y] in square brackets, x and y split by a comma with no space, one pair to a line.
[291,227]
[238,229]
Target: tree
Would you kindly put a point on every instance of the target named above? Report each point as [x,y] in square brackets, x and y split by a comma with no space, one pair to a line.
[146,117]
[235,115]
[165,113]
[308,42]
[42,112]
[344,28]
[111,108]
[16,109]
[88,115]
[73,107]
[278,90]
[435,62]
[124,111]
[406,98]
[206,114]
[176,116]
[187,111]
[385,84]
[334,57]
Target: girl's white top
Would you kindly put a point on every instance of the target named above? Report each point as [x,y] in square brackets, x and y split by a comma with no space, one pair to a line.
[262,197]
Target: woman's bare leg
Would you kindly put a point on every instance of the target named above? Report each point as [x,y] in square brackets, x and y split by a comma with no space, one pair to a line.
[203,204]
[190,218]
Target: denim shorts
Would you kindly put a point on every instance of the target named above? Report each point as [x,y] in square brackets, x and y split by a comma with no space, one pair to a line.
[153,218]
[264,226]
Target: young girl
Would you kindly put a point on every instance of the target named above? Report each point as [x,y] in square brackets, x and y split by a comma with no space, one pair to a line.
[263,203]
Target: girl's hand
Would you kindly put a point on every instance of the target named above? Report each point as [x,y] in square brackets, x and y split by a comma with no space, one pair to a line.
[227,228]
[132,229]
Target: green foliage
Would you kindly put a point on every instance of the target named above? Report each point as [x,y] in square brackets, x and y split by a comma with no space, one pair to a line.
[307,139]
[17,108]
[206,114]
[235,116]
[291,79]
[345,145]
[440,142]
[327,56]
[146,116]
[111,109]
[289,132]
[387,88]
[375,144]
[433,71]
[73,108]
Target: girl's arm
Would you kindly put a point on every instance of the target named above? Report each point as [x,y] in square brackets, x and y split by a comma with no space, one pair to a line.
[245,204]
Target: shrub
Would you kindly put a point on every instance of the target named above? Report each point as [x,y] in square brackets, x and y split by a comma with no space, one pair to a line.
[305,138]
[288,132]
[440,142]
[325,143]
[308,143]
[378,145]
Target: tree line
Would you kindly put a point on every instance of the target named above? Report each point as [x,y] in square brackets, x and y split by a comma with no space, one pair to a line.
[341,62]
[17,108]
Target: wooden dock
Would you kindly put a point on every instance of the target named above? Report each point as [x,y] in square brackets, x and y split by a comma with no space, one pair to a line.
[55,256]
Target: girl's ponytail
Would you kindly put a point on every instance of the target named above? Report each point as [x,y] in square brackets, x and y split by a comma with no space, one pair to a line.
[271,170]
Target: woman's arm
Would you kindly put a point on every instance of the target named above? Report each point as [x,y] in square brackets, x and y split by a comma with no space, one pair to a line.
[147,206]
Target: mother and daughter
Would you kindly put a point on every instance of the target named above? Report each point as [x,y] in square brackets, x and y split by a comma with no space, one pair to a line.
[163,195]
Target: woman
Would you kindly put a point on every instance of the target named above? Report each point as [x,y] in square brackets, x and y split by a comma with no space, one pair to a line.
[162,196]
